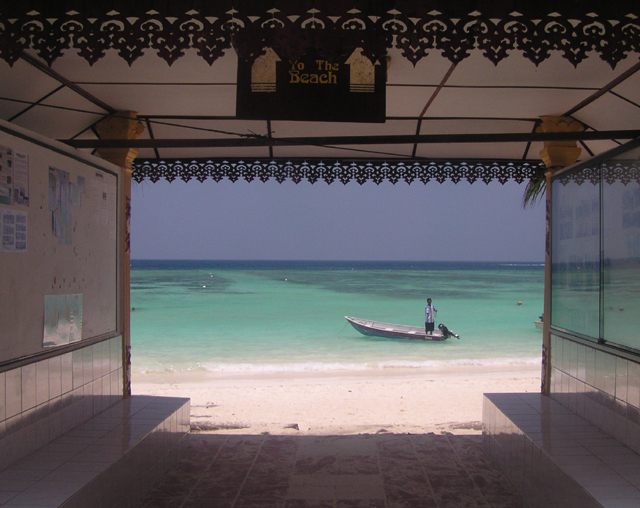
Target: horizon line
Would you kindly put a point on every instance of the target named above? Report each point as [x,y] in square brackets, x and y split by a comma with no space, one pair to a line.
[341,260]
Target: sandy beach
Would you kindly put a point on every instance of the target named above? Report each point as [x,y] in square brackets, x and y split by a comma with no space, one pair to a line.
[391,400]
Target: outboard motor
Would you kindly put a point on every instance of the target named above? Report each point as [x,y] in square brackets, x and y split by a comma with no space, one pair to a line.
[446,332]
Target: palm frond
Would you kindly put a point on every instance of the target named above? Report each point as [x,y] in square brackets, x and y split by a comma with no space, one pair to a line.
[535,189]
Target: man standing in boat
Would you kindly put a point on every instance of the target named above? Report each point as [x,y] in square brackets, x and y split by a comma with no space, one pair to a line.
[429,316]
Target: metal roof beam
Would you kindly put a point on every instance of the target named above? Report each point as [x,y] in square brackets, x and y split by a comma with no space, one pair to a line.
[66,82]
[255,140]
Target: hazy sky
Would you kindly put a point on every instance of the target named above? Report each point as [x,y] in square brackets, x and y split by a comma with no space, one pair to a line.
[258,220]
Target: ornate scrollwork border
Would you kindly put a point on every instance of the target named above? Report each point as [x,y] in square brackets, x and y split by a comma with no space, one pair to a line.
[623,171]
[332,28]
[608,172]
[330,171]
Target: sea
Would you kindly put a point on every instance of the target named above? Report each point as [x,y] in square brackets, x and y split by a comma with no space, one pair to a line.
[262,317]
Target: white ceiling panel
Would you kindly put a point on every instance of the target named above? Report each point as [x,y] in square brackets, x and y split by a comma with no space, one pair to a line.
[298,129]
[24,81]
[350,152]
[610,113]
[630,89]
[8,109]
[56,123]
[517,71]
[196,153]
[534,150]
[168,99]
[408,100]
[67,98]
[472,150]
[596,148]
[504,102]
[146,153]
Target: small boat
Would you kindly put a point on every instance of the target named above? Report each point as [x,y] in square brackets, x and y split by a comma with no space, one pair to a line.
[539,324]
[379,329]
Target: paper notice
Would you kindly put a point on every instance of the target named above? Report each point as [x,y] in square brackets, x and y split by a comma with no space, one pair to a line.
[8,225]
[13,225]
[6,175]
[62,319]
[112,210]
[20,179]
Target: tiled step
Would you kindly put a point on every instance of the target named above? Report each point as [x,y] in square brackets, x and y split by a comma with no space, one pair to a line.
[110,461]
[555,458]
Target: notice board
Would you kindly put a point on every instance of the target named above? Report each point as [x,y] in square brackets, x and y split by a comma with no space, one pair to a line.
[59,257]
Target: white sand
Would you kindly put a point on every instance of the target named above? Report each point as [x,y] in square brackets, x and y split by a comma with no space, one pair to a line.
[396,400]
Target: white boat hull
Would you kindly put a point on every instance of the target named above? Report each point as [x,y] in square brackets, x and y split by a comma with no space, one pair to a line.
[388,330]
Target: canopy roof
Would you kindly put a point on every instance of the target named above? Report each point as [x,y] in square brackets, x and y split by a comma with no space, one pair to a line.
[466,81]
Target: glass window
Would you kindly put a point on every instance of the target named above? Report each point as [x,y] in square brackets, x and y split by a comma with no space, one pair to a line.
[575,252]
[621,249]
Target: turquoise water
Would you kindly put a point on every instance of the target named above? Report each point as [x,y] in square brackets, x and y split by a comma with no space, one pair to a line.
[272,316]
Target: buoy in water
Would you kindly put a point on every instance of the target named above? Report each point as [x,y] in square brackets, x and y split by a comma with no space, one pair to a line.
[519,303]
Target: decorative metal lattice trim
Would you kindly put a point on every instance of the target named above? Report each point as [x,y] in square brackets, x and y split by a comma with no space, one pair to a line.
[609,172]
[623,171]
[330,171]
[334,29]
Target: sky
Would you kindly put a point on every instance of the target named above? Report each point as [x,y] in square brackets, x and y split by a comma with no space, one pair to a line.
[272,221]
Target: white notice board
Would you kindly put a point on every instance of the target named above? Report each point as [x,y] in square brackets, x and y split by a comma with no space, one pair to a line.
[59,257]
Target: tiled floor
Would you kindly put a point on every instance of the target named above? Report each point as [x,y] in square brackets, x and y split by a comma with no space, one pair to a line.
[359,471]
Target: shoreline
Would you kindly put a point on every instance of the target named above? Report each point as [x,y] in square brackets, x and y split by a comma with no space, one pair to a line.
[406,400]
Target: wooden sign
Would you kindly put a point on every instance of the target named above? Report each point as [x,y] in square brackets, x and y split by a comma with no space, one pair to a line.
[312,88]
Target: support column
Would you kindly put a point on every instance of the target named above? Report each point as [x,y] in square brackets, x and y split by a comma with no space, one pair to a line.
[555,155]
[123,125]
